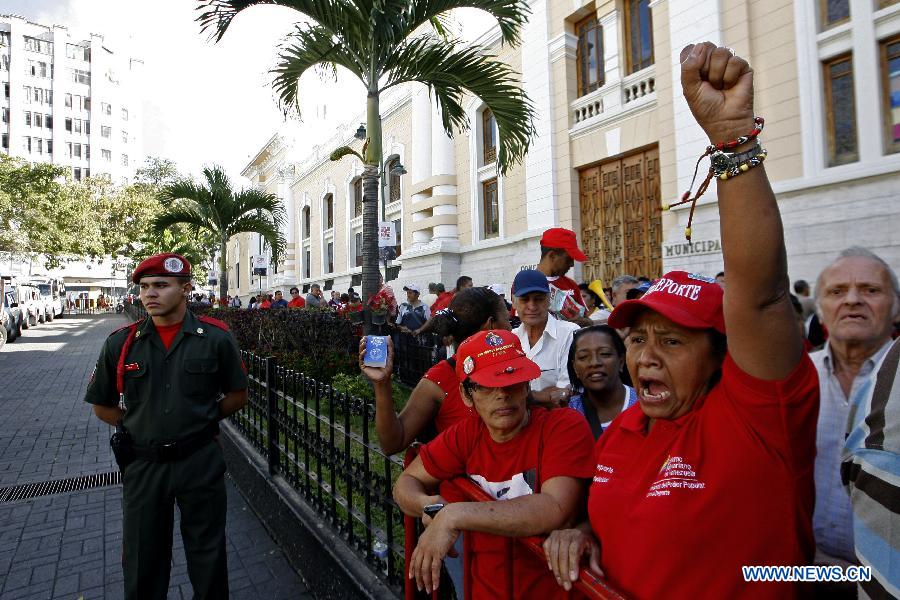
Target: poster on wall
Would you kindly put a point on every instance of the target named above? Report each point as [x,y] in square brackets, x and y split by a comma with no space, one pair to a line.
[260,265]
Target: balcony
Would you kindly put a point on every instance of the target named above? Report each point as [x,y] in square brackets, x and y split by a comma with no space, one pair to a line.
[614,100]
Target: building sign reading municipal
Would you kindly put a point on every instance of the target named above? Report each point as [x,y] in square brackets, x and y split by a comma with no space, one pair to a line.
[692,248]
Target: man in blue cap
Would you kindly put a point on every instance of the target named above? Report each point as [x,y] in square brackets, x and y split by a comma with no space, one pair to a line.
[545,339]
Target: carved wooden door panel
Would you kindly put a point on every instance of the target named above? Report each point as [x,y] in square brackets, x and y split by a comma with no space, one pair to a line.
[620,217]
[591,234]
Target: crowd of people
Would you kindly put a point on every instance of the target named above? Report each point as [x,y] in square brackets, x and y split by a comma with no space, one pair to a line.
[665,434]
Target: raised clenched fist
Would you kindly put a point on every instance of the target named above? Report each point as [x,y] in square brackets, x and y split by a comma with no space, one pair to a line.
[718,87]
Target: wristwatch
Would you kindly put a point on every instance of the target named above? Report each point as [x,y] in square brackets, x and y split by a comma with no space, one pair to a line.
[726,162]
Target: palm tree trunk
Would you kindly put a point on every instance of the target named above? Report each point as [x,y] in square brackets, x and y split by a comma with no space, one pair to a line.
[223,274]
[370,273]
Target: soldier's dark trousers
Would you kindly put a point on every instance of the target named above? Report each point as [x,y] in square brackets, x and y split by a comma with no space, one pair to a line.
[150,491]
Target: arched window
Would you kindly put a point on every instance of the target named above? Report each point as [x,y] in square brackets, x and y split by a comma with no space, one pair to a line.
[357,197]
[639,35]
[328,211]
[393,181]
[488,136]
[306,222]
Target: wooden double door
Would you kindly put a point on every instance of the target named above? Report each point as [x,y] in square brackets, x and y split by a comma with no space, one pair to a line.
[621,223]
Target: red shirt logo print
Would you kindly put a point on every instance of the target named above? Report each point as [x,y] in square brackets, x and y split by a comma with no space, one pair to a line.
[675,474]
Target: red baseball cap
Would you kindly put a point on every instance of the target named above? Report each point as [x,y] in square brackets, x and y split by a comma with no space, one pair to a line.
[494,359]
[690,300]
[565,239]
[167,264]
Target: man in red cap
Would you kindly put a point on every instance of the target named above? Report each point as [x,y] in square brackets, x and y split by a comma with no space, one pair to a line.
[533,461]
[559,251]
[165,382]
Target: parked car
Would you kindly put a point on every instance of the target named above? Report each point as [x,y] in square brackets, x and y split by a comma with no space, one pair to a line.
[10,307]
[32,304]
[53,293]
[14,321]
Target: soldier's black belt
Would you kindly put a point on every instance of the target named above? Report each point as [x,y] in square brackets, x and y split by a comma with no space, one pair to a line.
[179,449]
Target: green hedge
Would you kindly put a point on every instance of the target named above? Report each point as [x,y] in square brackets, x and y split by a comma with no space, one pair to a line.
[314,341]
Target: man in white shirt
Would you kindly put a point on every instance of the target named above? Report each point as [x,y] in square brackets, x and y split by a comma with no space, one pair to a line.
[429,298]
[544,338]
[857,299]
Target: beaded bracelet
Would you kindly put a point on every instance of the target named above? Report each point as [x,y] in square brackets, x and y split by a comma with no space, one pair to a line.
[753,161]
[759,124]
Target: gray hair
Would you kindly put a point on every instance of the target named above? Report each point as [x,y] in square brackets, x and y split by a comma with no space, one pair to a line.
[623,279]
[859,251]
[315,286]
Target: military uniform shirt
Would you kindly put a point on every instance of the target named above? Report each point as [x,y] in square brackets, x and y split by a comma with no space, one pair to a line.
[169,395]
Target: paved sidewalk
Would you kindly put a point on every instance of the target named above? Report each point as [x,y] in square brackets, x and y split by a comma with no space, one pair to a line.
[69,545]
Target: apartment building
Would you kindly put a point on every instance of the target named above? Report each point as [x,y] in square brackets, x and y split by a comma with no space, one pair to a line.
[69,101]
[615,141]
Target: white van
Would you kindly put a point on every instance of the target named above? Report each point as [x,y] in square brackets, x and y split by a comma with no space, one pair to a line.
[32,304]
[53,293]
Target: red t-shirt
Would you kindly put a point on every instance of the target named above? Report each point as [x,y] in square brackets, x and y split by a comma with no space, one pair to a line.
[167,333]
[453,409]
[297,302]
[442,302]
[553,444]
[678,511]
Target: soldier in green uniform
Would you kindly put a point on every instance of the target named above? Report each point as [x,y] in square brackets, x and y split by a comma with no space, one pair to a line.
[165,382]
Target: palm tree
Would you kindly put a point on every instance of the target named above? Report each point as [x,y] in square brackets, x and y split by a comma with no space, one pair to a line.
[386,43]
[216,208]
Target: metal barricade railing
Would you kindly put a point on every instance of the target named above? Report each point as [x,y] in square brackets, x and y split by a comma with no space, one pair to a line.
[414,355]
[318,441]
[588,584]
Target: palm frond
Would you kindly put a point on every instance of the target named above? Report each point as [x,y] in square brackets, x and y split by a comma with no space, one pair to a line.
[338,17]
[263,225]
[451,72]
[181,215]
[182,189]
[253,201]
[511,15]
[216,15]
[310,45]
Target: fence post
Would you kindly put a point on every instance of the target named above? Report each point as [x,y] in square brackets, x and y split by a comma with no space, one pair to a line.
[271,416]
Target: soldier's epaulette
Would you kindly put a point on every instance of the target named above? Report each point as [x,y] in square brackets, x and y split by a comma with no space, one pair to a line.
[124,327]
[215,322]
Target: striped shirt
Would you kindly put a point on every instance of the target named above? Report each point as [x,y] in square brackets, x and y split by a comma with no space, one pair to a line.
[871,472]
[833,517]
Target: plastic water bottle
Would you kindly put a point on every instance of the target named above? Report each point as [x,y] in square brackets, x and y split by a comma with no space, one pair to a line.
[380,549]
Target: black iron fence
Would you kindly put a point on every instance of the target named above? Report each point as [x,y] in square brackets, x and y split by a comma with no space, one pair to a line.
[319,441]
[414,355]
[135,310]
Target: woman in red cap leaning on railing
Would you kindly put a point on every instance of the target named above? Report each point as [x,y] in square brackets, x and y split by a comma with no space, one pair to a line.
[534,461]
[713,470]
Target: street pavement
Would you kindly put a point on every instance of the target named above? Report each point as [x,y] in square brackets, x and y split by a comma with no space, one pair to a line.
[69,545]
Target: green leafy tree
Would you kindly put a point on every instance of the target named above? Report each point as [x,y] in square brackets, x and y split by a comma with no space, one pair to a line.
[127,221]
[214,208]
[157,172]
[385,43]
[43,213]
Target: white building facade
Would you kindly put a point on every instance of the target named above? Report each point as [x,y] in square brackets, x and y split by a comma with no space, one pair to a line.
[615,141]
[69,101]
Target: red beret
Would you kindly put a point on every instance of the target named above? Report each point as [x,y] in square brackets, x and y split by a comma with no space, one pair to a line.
[168,264]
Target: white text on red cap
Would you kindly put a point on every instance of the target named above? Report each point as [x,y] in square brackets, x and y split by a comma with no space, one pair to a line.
[667,286]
